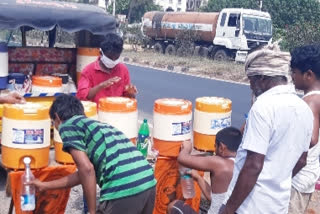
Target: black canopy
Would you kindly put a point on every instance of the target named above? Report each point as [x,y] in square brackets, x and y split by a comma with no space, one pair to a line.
[46,15]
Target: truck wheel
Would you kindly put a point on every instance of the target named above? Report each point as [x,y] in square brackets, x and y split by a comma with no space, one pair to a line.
[158,47]
[221,55]
[171,50]
[181,52]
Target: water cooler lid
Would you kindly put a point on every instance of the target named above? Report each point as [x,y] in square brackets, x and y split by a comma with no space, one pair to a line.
[64,77]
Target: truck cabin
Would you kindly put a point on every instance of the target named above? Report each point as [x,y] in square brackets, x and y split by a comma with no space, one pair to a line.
[246,21]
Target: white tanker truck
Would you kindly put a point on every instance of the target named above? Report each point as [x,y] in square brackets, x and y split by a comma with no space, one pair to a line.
[232,33]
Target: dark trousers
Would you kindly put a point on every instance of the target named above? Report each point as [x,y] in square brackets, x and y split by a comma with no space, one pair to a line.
[141,203]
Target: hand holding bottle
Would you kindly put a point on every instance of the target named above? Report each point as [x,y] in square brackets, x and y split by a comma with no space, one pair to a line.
[186,181]
[40,186]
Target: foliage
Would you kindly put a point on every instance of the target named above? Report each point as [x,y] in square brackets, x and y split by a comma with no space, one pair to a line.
[218,5]
[185,41]
[138,11]
[138,8]
[301,34]
[291,12]
[122,7]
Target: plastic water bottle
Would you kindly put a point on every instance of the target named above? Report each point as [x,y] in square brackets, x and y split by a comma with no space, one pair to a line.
[143,138]
[186,181]
[28,197]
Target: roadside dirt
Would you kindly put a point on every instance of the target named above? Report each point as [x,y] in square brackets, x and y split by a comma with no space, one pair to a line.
[193,65]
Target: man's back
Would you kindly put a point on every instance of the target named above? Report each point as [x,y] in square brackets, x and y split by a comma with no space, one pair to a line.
[305,180]
[120,168]
[279,126]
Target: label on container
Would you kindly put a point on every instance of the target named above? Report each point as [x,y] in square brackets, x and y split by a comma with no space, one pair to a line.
[27,136]
[142,144]
[28,202]
[181,128]
[220,123]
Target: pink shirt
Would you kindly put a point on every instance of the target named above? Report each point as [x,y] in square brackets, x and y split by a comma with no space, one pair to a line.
[92,75]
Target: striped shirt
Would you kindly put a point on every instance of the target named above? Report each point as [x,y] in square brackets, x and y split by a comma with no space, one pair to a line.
[120,168]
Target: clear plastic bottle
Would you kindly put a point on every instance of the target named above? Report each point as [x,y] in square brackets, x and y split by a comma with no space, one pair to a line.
[28,196]
[187,184]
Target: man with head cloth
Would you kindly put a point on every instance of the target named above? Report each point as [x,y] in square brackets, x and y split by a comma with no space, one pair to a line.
[275,141]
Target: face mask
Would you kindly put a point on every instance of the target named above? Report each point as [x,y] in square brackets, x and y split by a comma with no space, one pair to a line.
[109,63]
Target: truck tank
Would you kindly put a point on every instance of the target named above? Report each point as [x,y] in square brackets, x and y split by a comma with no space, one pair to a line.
[166,25]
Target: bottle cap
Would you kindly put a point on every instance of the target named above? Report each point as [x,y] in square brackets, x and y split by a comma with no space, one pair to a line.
[27,160]
[145,120]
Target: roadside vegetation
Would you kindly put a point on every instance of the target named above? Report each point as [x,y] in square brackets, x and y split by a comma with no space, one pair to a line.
[194,65]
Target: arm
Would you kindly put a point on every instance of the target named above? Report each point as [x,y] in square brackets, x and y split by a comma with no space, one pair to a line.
[12,98]
[302,162]
[84,86]
[105,84]
[86,91]
[93,91]
[65,182]
[198,162]
[204,186]
[130,90]
[243,127]
[87,177]
[315,110]
[246,181]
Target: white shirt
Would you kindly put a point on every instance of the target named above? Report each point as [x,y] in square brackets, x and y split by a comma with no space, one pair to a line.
[279,126]
[307,177]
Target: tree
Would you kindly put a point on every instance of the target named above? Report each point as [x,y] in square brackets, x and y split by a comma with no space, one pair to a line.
[134,9]
[218,5]
[291,12]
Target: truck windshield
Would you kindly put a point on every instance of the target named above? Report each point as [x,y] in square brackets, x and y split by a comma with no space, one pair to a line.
[257,25]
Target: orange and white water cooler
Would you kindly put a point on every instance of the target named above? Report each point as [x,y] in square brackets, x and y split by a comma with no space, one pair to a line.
[27,133]
[171,126]
[46,84]
[1,114]
[121,113]
[85,56]
[90,110]
[211,114]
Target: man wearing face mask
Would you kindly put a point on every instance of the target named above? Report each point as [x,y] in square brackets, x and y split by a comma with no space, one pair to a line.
[106,76]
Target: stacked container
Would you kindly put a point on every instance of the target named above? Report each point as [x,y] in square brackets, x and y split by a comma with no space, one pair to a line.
[171,126]
[85,56]
[4,62]
[211,114]
[46,84]
[1,114]
[27,133]
[121,113]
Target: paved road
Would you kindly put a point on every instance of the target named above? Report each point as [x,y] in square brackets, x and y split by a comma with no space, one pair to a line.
[153,84]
